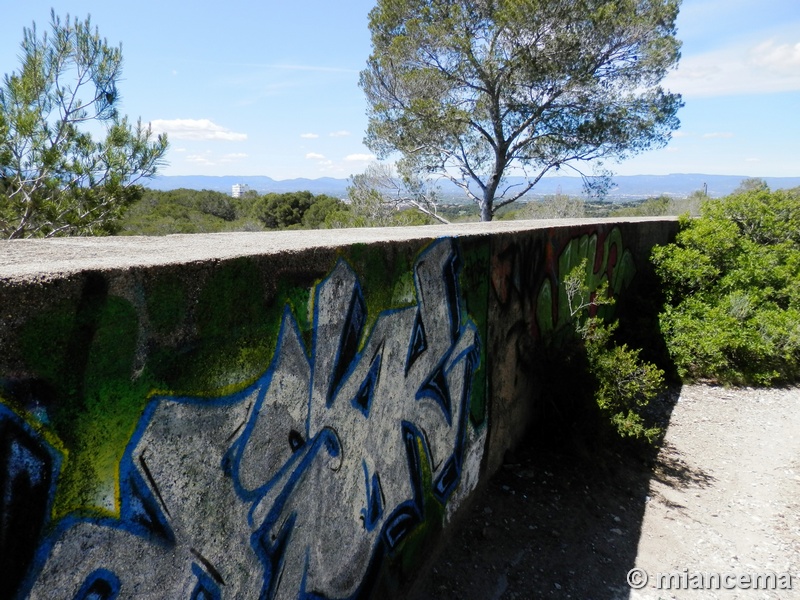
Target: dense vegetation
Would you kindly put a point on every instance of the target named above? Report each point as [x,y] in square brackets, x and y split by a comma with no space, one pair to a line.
[731,313]
[732,282]
[205,211]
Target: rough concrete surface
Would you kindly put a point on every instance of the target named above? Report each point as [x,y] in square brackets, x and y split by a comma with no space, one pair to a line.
[41,259]
[722,495]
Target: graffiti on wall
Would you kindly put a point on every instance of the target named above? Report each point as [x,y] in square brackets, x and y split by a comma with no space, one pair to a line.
[28,471]
[294,486]
[607,261]
[527,275]
[529,315]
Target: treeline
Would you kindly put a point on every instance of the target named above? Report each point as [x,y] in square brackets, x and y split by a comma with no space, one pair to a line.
[206,211]
[561,206]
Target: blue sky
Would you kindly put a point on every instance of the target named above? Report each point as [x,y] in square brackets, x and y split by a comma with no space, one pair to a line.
[271,88]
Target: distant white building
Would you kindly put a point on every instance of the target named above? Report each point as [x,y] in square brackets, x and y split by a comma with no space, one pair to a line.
[238,189]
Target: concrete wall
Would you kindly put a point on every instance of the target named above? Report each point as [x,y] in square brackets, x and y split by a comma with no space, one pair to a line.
[283,415]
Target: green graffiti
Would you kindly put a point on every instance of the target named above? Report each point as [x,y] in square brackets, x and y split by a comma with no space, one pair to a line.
[544,308]
[84,354]
[235,339]
[166,303]
[552,312]
[475,290]
[236,331]
[86,357]
[386,276]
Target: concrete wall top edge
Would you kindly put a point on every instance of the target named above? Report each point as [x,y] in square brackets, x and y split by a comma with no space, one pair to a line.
[37,260]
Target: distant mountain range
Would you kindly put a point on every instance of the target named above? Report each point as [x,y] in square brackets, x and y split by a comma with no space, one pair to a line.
[623,187]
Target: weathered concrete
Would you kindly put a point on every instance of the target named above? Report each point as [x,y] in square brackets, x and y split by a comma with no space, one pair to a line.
[269,415]
[26,259]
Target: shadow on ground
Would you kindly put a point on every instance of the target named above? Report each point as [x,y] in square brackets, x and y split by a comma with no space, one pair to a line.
[557,521]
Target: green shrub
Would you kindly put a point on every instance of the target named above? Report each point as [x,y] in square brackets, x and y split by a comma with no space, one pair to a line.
[623,384]
[732,283]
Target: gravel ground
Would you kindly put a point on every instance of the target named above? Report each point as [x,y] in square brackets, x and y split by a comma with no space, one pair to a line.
[720,496]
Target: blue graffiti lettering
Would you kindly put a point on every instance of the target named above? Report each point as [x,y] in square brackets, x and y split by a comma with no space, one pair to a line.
[296,485]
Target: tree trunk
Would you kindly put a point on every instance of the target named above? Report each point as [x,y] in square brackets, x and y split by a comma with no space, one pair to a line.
[487,202]
[486,210]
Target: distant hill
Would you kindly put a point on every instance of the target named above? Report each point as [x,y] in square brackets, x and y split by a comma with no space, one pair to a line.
[623,188]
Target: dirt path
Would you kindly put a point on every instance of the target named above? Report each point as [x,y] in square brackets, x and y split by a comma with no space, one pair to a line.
[722,496]
[725,497]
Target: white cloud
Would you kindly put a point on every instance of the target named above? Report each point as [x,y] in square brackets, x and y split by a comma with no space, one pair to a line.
[359,157]
[233,157]
[315,155]
[718,134]
[341,133]
[195,129]
[201,159]
[781,57]
[768,66]
[309,136]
